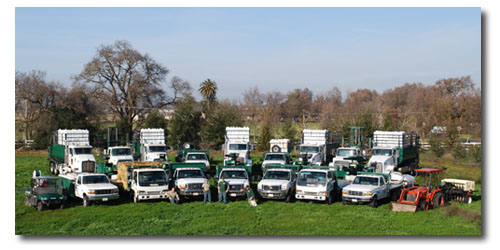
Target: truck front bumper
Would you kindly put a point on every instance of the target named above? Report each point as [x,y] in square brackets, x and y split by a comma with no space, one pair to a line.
[191,192]
[152,197]
[273,194]
[232,193]
[103,197]
[318,197]
[357,199]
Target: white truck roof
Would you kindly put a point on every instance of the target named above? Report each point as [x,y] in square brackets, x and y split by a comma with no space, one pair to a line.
[240,134]
[389,139]
[314,136]
[76,137]
[152,136]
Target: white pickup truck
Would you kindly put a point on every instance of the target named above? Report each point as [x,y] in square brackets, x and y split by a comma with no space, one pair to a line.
[237,178]
[197,157]
[371,188]
[118,154]
[318,184]
[278,183]
[89,187]
[188,182]
[275,159]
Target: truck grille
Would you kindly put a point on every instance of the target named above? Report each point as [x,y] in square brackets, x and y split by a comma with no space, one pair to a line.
[310,193]
[104,191]
[273,188]
[194,186]
[235,187]
[411,197]
[88,166]
[153,192]
[356,193]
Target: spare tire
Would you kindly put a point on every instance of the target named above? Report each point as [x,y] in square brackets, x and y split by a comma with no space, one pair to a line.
[276,149]
[187,145]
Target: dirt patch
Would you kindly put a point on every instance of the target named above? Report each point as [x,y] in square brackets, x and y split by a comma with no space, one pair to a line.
[454,210]
[23,151]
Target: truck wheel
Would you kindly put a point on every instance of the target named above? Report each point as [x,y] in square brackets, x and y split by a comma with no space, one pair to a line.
[135,199]
[86,201]
[468,199]
[374,202]
[52,167]
[276,149]
[289,198]
[344,202]
[330,198]
[437,200]
[395,194]
[61,206]
[39,206]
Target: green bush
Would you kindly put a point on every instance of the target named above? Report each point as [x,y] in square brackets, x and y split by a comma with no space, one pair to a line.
[436,145]
[475,152]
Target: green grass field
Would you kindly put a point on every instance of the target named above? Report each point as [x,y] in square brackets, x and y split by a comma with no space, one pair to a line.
[238,218]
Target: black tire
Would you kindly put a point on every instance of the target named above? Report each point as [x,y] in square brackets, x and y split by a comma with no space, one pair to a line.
[422,205]
[136,200]
[396,194]
[468,199]
[61,206]
[437,200]
[86,201]
[374,202]
[39,206]
[52,167]
[330,198]
[344,202]
[276,149]
[288,198]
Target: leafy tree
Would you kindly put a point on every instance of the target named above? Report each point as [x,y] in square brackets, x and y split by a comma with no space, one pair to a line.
[208,89]
[436,145]
[185,123]
[155,120]
[475,151]
[289,132]
[388,123]
[213,129]
[265,136]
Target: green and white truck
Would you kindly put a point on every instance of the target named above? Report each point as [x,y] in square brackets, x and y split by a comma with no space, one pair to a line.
[316,149]
[90,187]
[237,146]
[188,154]
[394,151]
[187,179]
[70,152]
[237,176]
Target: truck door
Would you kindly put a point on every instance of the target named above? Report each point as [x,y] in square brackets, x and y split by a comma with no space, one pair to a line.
[134,181]
[384,192]
[78,183]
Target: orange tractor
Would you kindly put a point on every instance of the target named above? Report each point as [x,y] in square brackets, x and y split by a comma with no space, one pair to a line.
[429,195]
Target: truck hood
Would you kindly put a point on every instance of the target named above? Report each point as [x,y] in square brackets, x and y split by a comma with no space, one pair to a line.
[184,181]
[273,162]
[84,158]
[100,186]
[197,161]
[114,159]
[311,189]
[236,181]
[378,158]
[358,187]
[271,182]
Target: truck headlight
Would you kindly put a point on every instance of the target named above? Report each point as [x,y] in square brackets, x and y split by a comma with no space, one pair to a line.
[115,191]
[344,192]
[368,194]
[182,186]
[141,191]
[247,185]
[91,191]
[164,191]
[284,187]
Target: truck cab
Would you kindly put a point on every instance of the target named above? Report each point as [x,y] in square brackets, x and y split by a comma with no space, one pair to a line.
[278,184]
[154,152]
[237,178]
[197,157]
[118,154]
[241,150]
[275,159]
[79,159]
[188,181]
[349,159]
[384,159]
[317,184]
[313,154]
[149,184]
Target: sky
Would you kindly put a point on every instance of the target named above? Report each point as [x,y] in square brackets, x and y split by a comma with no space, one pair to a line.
[271,48]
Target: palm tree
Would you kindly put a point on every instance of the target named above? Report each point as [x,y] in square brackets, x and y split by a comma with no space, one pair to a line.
[208,89]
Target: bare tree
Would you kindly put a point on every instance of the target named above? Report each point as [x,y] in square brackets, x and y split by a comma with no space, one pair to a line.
[127,82]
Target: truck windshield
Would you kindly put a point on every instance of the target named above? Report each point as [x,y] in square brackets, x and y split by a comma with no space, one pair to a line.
[234,174]
[346,152]
[309,149]
[152,178]
[157,149]
[365,180]
[196,156]
[120,151]
[237,147]
[190,174]
[95,179]
[274,157]
[83,151]
[308,178]
[277,175]
[383,152]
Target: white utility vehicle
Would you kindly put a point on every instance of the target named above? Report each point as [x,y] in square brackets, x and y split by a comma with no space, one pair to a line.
[237,142]
[278,183]
[197,157]
[70,152]
[150,146]
[371,188]
[90,187]
[315,148]
[149,184]
[188,182]
[118,154]
[319,185]
[275,159]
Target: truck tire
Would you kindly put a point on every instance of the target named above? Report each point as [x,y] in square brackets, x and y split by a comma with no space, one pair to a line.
[330,198]
[468,199]
[374,202]
[61,206]
[395,194]
[39,206]
[52,167]
[276,149]
[86,201]
[135,199]
[437,200]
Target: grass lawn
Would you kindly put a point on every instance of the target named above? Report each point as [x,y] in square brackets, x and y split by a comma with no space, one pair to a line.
[238,218]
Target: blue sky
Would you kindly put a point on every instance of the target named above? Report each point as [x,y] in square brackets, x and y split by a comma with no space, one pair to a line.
[272,48]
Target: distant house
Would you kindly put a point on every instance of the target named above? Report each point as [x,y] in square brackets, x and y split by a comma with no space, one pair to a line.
[438,129]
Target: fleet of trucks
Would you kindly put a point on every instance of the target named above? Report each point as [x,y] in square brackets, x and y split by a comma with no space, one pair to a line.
[70,152]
